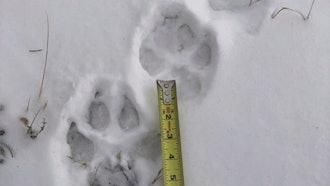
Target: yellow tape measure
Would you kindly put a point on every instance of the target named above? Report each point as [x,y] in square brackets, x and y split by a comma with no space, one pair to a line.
[170,133]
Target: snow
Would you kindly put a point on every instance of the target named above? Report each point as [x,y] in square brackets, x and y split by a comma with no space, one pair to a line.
[253,91]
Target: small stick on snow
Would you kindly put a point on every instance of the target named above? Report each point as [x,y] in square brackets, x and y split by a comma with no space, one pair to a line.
[276,12]
[310,9]
[83,164]
[37,50]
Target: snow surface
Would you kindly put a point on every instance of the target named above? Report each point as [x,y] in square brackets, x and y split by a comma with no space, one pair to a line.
[254,92]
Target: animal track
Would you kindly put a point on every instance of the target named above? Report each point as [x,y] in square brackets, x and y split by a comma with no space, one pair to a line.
[82,149]
[103,126]
[178,42]
[150,146]
[99,116]
[128,118]
[250,13]
[5,149]
[105,134]
[108,174]
[202,56]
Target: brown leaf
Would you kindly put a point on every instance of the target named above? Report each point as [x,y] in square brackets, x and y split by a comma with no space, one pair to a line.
[25,121]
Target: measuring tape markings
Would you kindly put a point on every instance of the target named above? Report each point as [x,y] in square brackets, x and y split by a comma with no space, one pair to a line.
[170,133]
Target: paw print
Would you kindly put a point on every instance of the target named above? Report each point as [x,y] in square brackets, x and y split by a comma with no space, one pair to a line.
[179,47]
[5,149]
[105,135]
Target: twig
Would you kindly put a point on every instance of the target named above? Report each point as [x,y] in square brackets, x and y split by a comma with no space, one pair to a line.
[125,175]
[310,9]
[35,117]
[83,164]
[159,175]
[95,173]
[276,12]
[33,136]
[46,58]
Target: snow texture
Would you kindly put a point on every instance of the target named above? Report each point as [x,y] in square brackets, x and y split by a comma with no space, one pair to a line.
[253,91]
[230,4]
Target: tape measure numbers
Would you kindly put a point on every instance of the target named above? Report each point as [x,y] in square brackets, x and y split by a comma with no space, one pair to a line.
[170,133]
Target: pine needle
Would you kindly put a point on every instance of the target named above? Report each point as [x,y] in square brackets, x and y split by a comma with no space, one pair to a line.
[46,58]
[276,12]
[28,105]
[45,106]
